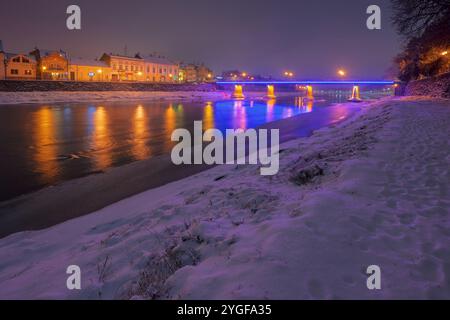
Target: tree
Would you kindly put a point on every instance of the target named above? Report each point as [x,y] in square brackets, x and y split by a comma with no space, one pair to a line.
[413,17]
[426,24]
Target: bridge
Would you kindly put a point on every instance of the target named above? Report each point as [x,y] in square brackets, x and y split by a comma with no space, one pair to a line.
[239,93]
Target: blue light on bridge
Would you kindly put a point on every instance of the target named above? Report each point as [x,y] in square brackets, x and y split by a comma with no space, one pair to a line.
[356,82]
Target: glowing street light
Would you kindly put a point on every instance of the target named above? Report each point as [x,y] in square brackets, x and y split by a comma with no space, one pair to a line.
[99,71]
[288,74]
[341,72]
[244,74]
[444,53]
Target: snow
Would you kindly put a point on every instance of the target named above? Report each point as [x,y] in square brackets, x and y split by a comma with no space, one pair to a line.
[381,197]
[11,98]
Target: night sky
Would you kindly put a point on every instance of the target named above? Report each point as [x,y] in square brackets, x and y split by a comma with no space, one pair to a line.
[312,38]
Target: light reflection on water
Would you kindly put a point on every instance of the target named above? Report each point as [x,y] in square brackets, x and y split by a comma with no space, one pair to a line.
[43,145]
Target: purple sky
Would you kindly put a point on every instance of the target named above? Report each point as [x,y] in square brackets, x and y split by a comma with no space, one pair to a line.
[312,38]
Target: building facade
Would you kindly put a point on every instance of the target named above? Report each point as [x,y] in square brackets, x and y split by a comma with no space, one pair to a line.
[148,69]
[124,68]
[190,72]
[51,64]
[204,74]
[20,67]
[88,70]
[197,73]
[56,65]
[159,69]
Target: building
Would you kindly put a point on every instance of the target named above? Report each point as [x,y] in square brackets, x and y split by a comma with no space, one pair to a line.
[51,64]
[16,66]
[232,75]
[160,69]
[124,68]
[2,62]
[19,66]
[151,68]
[89,70]
[197,73]
[181,75]
[204,74]
[190,72]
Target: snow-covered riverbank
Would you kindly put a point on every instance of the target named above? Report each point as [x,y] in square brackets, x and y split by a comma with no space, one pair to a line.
[371,190]
[9,98]
[103,96]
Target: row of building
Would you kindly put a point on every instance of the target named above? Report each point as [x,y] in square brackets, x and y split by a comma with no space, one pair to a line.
[57,65]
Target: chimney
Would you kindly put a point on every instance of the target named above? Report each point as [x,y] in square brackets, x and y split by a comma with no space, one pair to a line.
[1,46]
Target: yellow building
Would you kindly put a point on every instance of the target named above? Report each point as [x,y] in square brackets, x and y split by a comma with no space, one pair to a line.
[159,69]
[181,75]
[88,70]
[20,67]
[124,68]
[51,64]
[151,69]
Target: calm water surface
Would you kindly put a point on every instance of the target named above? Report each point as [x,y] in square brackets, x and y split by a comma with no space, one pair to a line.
[47,144]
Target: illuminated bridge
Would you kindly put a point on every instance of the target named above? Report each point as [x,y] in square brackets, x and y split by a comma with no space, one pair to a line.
[239,93]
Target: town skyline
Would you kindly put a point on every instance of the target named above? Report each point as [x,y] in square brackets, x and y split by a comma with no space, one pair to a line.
[243,36]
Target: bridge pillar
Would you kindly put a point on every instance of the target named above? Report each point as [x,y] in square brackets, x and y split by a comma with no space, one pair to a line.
[355,94]
[238,92]
[309,92]
[271,91]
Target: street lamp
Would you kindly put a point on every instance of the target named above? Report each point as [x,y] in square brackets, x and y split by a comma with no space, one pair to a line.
[444,53]
[341,72]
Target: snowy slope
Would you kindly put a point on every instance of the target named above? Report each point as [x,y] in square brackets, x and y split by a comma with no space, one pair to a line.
[371,190]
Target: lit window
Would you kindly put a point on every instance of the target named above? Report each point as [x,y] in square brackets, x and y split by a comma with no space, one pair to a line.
[28,72]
